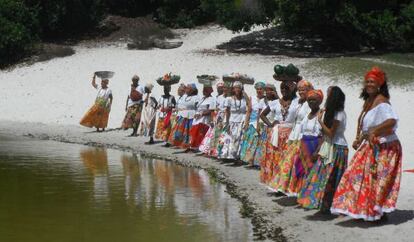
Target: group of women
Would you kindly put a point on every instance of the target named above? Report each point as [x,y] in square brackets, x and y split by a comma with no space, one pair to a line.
[299,146]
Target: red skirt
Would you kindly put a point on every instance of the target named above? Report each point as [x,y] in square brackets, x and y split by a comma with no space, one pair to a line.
[197,133]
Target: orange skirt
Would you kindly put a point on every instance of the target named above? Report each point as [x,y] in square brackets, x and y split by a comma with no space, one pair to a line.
[97,116]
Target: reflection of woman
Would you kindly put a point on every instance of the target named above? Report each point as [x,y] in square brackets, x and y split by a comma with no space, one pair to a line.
[98,115]
[370,185]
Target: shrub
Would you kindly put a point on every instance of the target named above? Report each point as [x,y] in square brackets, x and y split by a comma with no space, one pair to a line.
[18,32]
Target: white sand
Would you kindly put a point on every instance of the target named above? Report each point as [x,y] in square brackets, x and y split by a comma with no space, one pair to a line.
[58,93]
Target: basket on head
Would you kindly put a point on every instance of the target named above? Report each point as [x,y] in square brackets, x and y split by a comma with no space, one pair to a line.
[105,74]
[168,80]
[243,78]
[207,80]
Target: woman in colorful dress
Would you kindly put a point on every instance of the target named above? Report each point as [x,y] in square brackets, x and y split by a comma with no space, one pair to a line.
[209,144]
[149,115]
[310,143]
[370,185]
[289,160]
[236,109]
[166,104]
[250,137]
[324,177]
[181,135]
[284,110]
[202,119]
[133,106]
[98,115]
[176,114]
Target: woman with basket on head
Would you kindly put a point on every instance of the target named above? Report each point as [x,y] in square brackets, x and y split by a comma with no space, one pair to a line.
[237,106]
[133,106]
[181,134]
[98,115]
[284,110]
[209,144]
[370,185]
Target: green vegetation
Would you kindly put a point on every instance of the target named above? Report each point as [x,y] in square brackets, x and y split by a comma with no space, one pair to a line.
[370,24]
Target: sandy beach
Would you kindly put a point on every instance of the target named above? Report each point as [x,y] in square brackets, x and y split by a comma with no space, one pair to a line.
[46,100]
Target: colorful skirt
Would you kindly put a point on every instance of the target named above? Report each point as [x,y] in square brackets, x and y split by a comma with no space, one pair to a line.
[261,146]
[132,117]
[289,156]
[267,164]
[273,155]
[181,133]
[370,185]
[161,131]
[248,146]
[197,134]
[174,121]
[322,181]
[210,142]
[302,164]
[229,141]
[97,116]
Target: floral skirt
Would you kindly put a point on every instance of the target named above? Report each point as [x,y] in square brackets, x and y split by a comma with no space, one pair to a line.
[229,141]
[97,116]
[259,155]
[181,132]
[197,134]
[302,164]
[210,142]
[174,121]
[248,146]
[370,185]
[273,155]
[322,181]
[161,131]
[289,155]
[132,117]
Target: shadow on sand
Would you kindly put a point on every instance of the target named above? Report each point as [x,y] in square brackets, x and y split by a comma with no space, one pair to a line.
[395,218]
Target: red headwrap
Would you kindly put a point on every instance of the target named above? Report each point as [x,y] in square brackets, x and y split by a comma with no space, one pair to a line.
[316,93]
[377,75]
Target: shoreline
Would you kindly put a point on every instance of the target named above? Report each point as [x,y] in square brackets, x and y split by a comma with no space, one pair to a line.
[273,218]
[263,227]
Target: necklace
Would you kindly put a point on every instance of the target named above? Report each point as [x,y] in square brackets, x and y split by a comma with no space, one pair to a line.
[186,98]
[238,107]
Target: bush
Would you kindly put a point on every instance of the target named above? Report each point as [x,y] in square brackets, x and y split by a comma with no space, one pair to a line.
[18,32]
[64,18]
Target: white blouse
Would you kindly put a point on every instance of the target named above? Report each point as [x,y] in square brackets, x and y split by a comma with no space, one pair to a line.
[164,103]
[311,127]
[179,106]
[189,105]
[377,116]
[339,138]
[238,109]
[257,104]
[103,94]
[205,104]
[301,112]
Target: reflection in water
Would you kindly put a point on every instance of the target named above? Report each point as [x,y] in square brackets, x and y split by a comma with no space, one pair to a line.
[106,195]
[96,162]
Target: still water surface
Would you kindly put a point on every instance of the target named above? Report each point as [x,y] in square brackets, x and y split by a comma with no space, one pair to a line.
[51,191]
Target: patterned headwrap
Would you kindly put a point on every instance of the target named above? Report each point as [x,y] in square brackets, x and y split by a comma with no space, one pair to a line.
[259,85]
[377,75]
[318,94]
[237,84]
[306,84]
[272,86]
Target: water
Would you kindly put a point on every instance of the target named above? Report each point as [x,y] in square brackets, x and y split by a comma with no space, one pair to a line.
[51,191]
